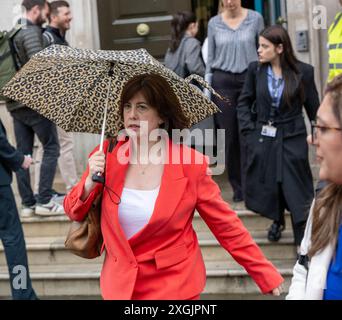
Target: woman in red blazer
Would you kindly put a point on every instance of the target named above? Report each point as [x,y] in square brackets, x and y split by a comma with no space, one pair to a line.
[152,251]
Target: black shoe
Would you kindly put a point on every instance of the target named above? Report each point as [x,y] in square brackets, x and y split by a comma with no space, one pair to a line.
[274,232]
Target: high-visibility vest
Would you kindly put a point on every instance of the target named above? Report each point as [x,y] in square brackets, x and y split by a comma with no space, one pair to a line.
[335,47]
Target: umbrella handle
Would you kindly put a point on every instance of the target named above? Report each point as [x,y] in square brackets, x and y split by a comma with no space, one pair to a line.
[97,177]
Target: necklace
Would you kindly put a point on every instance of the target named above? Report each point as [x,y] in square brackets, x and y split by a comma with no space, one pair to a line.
[145,168]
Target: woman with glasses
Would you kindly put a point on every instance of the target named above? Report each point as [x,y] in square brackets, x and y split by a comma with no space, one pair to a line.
[318,272]
[270,113]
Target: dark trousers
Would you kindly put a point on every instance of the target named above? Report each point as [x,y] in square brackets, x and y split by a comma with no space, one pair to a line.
[11,234]
[27,123]
[230,85]
[298,228]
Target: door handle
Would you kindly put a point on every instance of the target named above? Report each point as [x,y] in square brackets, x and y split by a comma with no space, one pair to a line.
[143,29]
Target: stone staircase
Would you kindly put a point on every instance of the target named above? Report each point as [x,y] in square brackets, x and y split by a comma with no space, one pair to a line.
[58,274]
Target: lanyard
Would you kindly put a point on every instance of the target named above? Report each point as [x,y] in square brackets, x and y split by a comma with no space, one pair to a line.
[276,85]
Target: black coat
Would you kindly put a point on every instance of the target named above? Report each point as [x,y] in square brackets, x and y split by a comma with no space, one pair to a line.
[10,158]
[280,163]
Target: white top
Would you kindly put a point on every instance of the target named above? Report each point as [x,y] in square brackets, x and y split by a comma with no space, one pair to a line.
[310,285]
[135,209]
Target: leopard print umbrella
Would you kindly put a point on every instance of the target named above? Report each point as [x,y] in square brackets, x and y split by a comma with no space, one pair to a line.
[69,87]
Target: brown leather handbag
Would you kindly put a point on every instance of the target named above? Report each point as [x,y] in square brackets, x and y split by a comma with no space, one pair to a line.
[84,238]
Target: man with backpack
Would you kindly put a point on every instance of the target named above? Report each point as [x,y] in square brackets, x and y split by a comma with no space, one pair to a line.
[59,22]
[27,122]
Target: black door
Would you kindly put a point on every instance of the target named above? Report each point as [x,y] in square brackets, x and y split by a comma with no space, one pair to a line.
[134,24]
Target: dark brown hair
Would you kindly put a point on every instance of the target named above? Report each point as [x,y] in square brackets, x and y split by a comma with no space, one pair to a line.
[327,212]
[180,22]
[29,4]
[288,62]
[160,96]
[55,5]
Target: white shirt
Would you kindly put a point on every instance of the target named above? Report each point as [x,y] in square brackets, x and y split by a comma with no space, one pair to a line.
[135,209]
[310,285]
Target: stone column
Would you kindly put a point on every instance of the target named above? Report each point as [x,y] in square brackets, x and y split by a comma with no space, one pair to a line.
[10,13]
[84,32]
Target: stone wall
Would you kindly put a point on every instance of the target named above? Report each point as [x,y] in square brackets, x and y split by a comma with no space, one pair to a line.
[315,16]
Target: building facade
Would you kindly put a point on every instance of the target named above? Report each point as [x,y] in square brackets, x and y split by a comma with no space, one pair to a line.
[131,24]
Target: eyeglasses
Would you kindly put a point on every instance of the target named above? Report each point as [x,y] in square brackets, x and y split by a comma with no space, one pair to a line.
[315,128]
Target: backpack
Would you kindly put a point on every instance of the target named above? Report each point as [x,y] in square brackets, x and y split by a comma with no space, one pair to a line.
[8,57]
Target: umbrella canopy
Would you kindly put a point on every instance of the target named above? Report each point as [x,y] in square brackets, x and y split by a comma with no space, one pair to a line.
[76,88]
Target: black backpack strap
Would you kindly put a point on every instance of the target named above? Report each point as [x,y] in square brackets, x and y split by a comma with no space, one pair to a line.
[304,261]
[14,51]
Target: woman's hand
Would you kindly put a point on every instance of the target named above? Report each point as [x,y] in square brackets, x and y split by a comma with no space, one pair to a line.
[277,291]
[27,162]
[96,164]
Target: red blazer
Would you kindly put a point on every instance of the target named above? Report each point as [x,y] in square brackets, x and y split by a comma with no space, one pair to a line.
[163,260]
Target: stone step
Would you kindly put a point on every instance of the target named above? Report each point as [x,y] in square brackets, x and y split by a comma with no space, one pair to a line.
[83,280]
[58,226]
[51,250]
[59,280]
[36,226]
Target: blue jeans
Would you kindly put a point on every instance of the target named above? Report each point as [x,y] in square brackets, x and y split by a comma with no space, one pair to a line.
[27,123]
[11,234]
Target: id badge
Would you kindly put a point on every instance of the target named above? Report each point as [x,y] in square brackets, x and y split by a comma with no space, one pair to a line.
[269,131]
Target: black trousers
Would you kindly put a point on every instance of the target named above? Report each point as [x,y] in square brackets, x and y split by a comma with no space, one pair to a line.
[230,85]
[12,236]
[27,123]
[298,228]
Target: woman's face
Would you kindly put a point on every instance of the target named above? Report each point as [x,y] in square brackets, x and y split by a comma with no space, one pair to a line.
[267,51]
[328,143]
[139,115]
[231,5]
[193,29]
